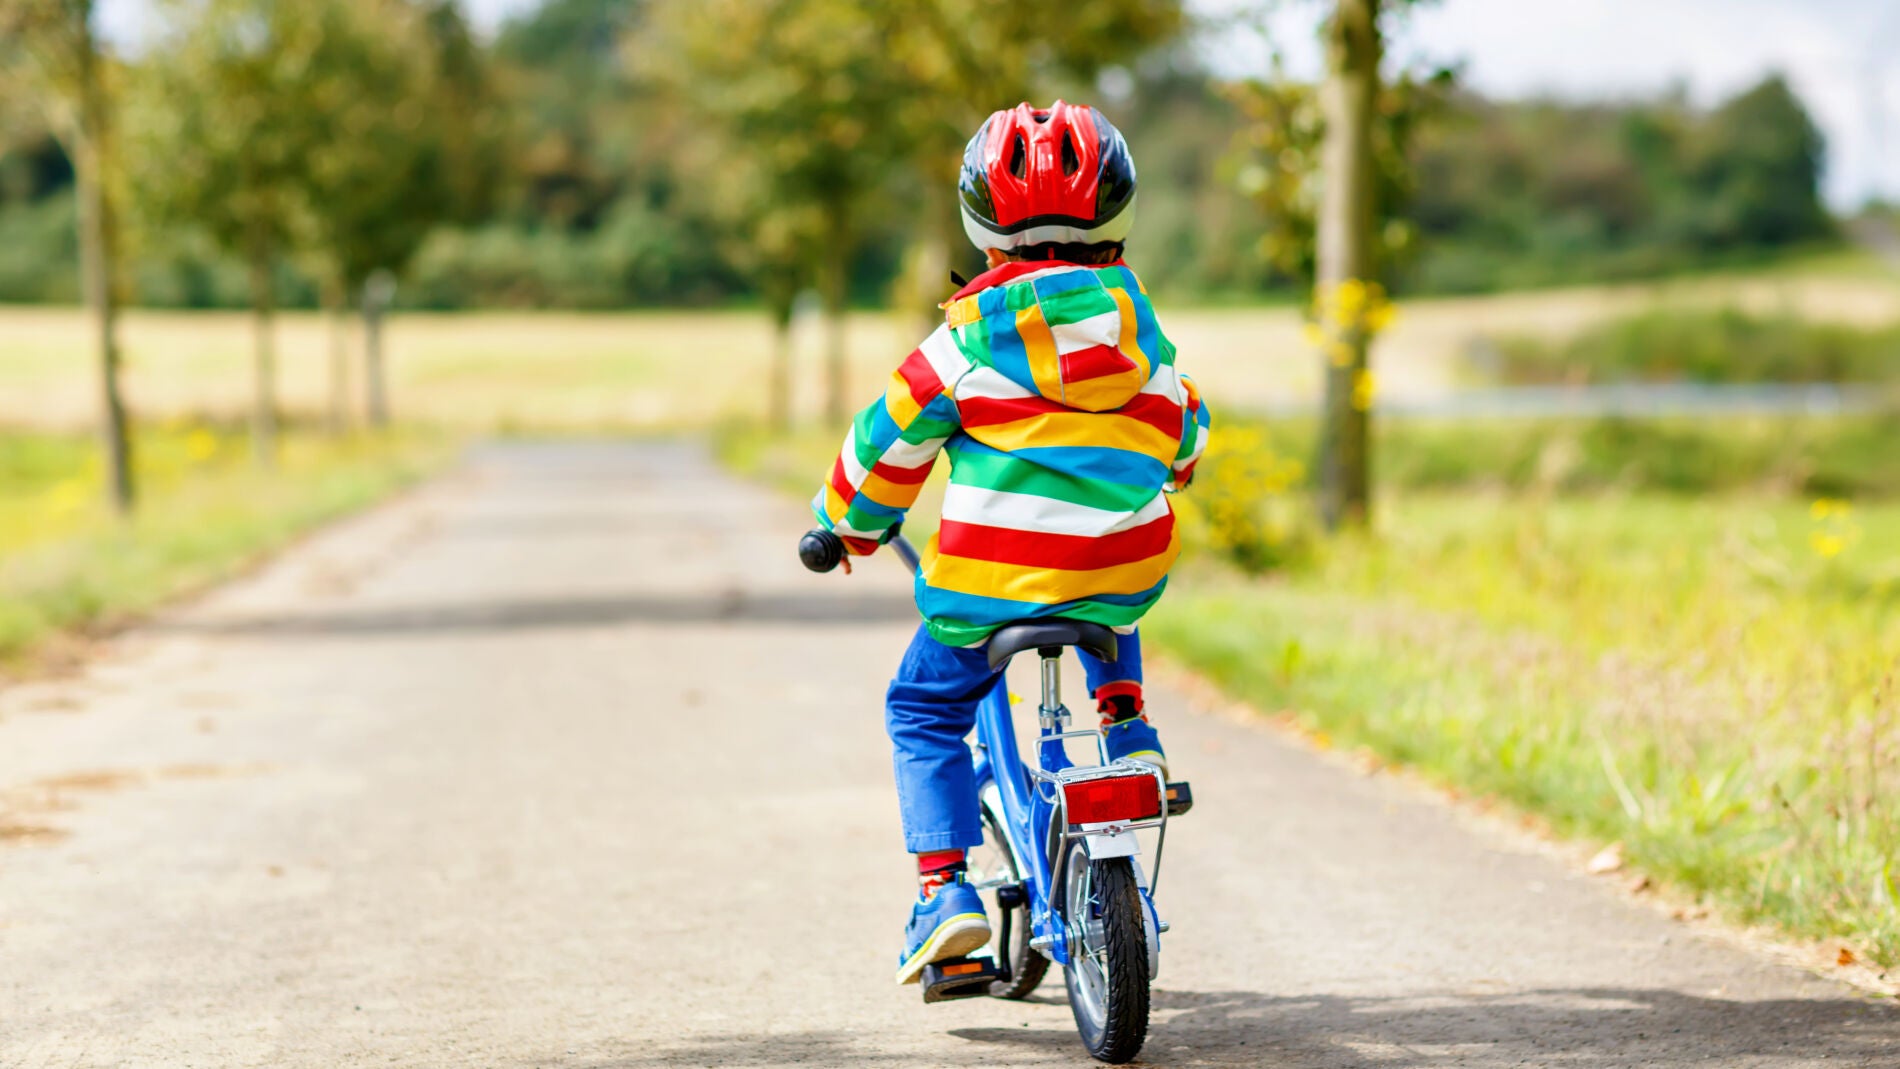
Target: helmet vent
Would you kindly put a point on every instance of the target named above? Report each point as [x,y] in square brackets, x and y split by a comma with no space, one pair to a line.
[1018,157]
[1070,162]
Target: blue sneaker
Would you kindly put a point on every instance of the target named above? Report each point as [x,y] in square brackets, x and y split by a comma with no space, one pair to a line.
[951,924]
[1136,740]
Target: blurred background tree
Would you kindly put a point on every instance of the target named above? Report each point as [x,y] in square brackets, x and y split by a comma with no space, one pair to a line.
[602,197]
[411,143]
[811,92]
[231,114]
[52,49]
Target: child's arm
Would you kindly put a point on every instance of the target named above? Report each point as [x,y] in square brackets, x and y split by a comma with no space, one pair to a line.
[890,449]
[1195,424]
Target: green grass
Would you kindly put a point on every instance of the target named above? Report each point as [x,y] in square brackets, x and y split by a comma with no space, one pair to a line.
[68,565]
[1710,682]
[1705,345]
[1799,455]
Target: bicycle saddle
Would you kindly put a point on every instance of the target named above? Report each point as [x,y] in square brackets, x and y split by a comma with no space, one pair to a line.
[1047,635]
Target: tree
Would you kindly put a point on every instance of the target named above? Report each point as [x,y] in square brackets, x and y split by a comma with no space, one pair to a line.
[231,118]
[834,99]
[807,90]
[1332,169]
[59,42]
[1346,261]
[966,58]
[402,144]
[1757,171]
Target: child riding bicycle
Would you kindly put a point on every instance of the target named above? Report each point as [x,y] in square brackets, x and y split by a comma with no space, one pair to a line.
[1054,393]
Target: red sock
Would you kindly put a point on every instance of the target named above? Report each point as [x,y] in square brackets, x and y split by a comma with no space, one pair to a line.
[937,868]
[1119,701]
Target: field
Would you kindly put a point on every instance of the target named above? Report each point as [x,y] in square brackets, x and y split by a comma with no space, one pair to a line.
[673,370]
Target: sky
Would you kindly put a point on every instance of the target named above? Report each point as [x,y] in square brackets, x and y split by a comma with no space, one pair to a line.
[1842,57]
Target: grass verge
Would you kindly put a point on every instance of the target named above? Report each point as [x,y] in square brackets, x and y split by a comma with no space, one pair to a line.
[68,565]
[1710,682]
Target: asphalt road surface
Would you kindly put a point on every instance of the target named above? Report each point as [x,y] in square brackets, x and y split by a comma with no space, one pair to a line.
[562,761]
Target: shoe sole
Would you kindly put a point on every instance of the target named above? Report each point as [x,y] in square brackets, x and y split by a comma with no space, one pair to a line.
[955,937]
[1160,761]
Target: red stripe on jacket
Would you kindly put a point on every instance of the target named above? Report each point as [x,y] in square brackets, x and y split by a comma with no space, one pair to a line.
[903,476]
[920,377]
[1033,549]
[840,481]
[1153,409]
[1094,362]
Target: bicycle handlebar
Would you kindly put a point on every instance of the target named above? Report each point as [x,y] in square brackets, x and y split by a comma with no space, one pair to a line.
[821,550]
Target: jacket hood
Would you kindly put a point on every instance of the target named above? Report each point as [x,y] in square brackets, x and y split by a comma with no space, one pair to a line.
[1066,331]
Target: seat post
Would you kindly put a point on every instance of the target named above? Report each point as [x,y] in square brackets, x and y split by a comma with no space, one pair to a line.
[1052,713]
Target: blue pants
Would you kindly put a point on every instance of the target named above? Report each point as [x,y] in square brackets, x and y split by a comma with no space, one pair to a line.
[930,709]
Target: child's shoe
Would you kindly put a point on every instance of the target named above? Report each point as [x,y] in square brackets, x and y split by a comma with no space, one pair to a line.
[1125,728]
[1136,740]
[948,924]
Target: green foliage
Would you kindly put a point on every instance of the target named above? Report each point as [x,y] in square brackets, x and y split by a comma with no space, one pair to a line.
[407,141]
[581,117]
[39,250]
[1276,159]
[1719,345]
[224,121]
[1538,193]
[1245,504]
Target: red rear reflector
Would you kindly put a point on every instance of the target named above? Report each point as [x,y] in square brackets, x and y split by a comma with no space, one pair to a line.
[1094,801]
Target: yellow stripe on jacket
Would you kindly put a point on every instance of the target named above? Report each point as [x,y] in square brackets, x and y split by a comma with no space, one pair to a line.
[1096,429]
[1039,346]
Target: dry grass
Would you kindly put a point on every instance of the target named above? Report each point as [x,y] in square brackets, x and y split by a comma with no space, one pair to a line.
[666,370]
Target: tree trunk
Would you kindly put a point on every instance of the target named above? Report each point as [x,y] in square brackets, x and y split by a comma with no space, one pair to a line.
[264,370]
[336,303]
[1346,259]
[376,399]
[377,293]
[833,285]
[96,263]
[778,401]
[930,256]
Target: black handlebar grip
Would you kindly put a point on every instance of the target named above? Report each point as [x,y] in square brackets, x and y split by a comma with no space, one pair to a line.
[820,550]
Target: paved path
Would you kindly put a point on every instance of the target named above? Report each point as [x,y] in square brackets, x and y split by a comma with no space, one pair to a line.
[562,762]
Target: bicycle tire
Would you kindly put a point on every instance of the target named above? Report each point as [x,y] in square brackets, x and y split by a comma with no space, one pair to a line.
[1027,966]
[1113,1020]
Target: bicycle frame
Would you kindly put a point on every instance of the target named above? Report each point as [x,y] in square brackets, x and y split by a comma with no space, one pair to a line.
[1034,817]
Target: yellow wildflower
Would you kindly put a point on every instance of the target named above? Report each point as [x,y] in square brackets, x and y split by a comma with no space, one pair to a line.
[201,445]
[1364,385]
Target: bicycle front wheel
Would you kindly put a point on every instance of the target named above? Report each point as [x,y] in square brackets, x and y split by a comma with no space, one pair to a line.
[1107,973]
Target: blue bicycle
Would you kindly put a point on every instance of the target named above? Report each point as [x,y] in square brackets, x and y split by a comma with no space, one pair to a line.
[1059,854]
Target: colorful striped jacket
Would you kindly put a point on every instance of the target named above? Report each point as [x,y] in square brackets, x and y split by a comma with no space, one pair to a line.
[1054,392]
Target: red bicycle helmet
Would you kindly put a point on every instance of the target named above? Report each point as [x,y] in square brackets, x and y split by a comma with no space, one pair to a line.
[1039,175]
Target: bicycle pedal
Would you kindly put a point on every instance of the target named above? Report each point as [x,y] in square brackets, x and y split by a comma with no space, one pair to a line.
[1180,798]
[955,978]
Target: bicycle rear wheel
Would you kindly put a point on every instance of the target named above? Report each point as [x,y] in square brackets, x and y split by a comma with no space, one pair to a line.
[995,863]
[1107,974]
